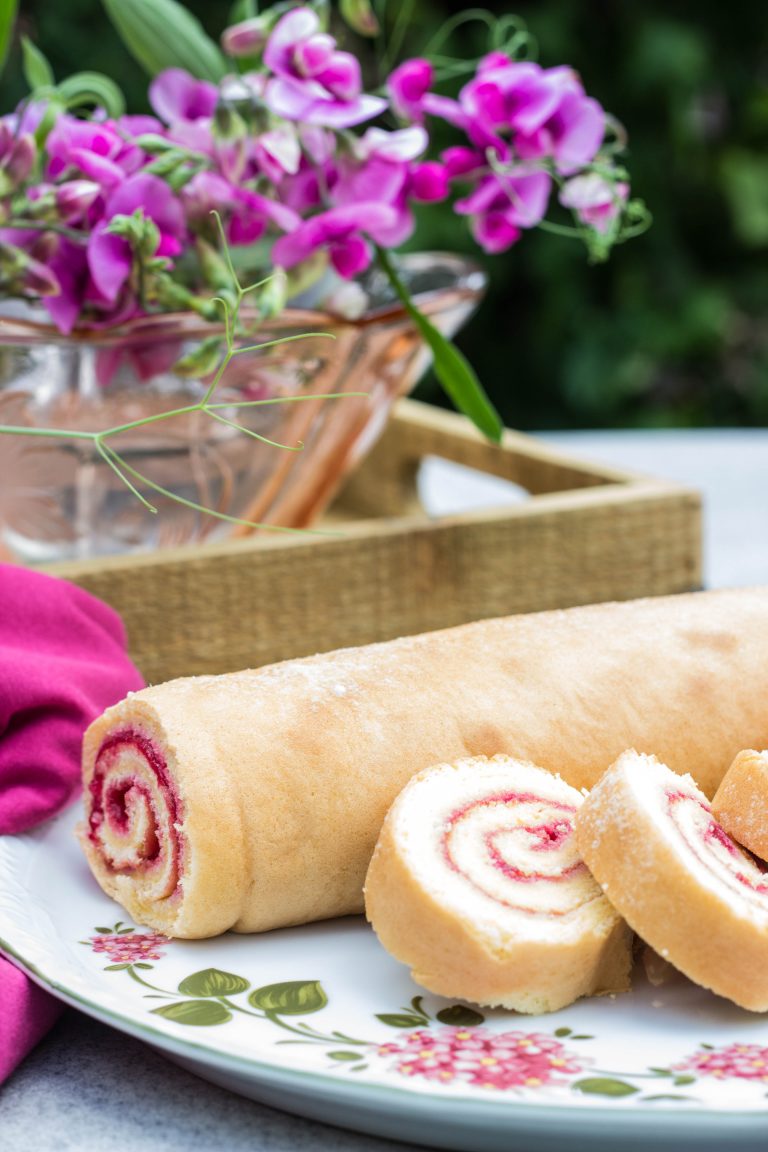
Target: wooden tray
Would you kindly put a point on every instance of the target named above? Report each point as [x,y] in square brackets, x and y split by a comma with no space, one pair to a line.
[588,533]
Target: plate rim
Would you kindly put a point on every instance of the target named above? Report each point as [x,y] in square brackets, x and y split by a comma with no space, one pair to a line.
[547,1114]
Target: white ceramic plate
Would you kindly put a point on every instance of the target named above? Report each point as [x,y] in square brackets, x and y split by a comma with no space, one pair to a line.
[322,1022]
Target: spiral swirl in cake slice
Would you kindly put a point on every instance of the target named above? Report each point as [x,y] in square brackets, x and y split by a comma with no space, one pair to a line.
[476,883]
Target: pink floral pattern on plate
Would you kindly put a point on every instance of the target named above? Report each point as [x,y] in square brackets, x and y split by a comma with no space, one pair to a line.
[128,949]
[734,1061]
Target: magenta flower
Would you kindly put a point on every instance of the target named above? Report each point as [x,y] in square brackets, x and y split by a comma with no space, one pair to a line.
[595,200]
[342,231]
[110,258]
[408,85]
[175,95]
[574,131]
[503,204]
[69,265]
[486,1059]
[97,149]
[275,153]
[74,199]
[312,80]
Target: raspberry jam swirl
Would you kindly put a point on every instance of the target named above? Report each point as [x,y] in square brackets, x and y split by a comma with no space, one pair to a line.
[135,813]
[519,850]
[713,848]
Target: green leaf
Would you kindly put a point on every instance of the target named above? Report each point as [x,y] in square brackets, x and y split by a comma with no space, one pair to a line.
[116,967]
[395,1020]
[562,1032]
[680,1081]
[198,1013]
[141,964]
[604,1086]
[344,1055]
[162,34]
[460,1017]
[92,88]
[7,21]
[582,1036]
[458,379]
[451,367]
[213,982]
[290,998]
[104,931]
[37,71]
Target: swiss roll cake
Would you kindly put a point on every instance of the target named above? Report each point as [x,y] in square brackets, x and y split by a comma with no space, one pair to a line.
[741,802]
[680,881]
[253,800]
[476,883]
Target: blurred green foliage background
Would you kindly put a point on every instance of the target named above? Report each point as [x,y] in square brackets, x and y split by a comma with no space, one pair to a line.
[674,329]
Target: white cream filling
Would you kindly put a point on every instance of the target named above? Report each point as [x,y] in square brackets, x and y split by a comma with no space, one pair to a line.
[685,821]
[492,860]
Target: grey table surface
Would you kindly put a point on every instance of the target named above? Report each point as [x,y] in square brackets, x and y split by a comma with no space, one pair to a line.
[87,1087]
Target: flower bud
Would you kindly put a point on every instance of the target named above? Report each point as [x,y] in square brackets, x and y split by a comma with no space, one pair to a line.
[360,16]
[247,38]
[45,247]
[39,280]
[20,161]
[74,198]
[274,294]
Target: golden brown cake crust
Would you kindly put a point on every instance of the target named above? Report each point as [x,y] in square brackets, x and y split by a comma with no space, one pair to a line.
[525,969]
[286,772]
[741,801]
[668,896]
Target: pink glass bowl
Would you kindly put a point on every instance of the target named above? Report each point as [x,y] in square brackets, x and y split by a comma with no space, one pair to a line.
[59,499]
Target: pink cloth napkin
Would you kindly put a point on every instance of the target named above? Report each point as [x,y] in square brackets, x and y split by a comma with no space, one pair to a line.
[63,661]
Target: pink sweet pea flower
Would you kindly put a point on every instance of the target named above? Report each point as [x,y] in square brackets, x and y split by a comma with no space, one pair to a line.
[595,200]
[175,95]
[69,265]
[428,182]
[342,232]
[312,80]
[97,149]
[380,170]
[275,153]
[110,258]
[246,213]
[408,85]
[503,204]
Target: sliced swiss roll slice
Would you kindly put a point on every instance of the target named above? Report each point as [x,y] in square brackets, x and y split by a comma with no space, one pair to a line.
[651,840]
[741,801]
[163,830]
[477,885]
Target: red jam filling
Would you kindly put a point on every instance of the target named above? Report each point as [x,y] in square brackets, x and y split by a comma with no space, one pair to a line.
[112,800]
[713,834]
[549,837]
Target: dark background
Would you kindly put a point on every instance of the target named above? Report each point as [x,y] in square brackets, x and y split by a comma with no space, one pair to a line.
[674,329]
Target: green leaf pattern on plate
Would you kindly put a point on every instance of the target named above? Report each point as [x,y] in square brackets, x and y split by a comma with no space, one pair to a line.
[453,1045]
